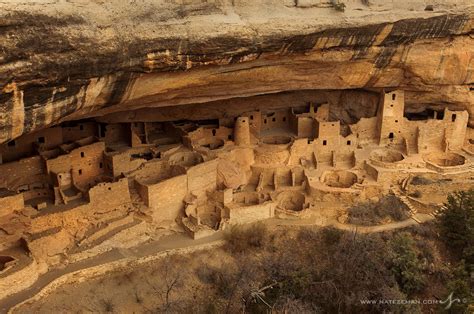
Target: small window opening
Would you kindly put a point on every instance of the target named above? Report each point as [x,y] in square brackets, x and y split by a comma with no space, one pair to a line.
[80,171]
[41,139]
[81,127]
[265,121]
[273,119]
[213,132]
[391,136]
[453,117]
[82,154]
[325,143]
[251,117]
[396,121]
[349,143]
[284,119]
[229,137]
[394,96]
[11,144]
[101,165]
[102,130]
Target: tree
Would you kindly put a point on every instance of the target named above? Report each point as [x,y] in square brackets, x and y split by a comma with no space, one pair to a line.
[457,225]
[459,288]
[405,264]
[166,281]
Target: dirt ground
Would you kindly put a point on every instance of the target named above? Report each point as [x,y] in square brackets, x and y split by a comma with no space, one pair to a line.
[178,283]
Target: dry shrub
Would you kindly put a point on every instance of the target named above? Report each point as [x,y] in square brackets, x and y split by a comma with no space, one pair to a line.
[242,238]
[373,213]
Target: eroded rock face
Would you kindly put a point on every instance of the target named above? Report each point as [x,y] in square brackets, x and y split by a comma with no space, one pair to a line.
[69,60]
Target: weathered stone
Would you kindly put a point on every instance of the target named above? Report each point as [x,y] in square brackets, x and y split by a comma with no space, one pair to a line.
[67,60]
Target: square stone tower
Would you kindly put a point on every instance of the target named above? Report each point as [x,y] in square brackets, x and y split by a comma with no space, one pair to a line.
[390,117]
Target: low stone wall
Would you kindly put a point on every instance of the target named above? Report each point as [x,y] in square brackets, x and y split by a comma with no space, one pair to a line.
[19,280]
[104,269]
[248,214]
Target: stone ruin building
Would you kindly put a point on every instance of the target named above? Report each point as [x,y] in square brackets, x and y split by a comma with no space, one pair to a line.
[70,187]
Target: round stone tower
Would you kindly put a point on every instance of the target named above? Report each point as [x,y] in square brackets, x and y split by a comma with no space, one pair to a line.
[242,131]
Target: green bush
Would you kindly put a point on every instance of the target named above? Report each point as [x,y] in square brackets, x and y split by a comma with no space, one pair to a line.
[460,289]
[340,6]
[332,236]
[406,266]
[457,225]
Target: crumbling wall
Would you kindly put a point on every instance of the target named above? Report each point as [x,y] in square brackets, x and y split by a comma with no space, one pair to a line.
[79,131]
[26,145]
[86,163]
[44,249]
[275,120]
[206,135]
[110,195]
[300,149]
[365,130]
[10,203]
[117,164]
[23,172]
[155,171]
[117,133]
[431,136]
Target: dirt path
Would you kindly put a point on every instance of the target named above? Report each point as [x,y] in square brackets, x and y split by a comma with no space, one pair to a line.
[387,227]
[175,241]
[178,241]
[361,229]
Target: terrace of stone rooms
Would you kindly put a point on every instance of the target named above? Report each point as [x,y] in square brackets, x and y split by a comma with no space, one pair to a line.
[77,189]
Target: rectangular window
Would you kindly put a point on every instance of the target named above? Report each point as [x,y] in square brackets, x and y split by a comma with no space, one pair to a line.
[41,139]
[325,143]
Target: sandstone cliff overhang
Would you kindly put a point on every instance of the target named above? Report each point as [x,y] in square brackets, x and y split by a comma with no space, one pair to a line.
[70,60]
